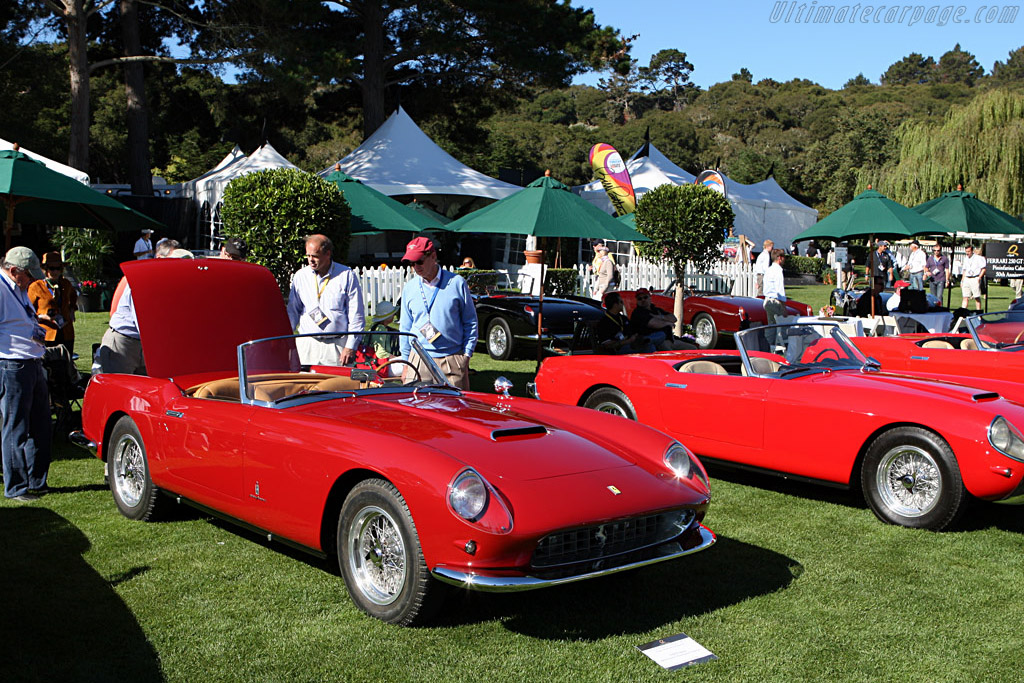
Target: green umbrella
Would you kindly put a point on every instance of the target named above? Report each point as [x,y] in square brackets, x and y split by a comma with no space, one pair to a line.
[428,212]
[871,214]
[546,208]
[34,193]
[963,212]
[373,211]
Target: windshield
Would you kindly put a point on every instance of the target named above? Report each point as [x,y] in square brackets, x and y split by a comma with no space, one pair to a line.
[788,350]
[286,368]
[1003,331]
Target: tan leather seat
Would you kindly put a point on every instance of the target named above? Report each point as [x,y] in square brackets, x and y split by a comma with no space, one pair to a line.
[339,384]
[762,366]
[968,345]
[274,391]
[223,389]
[703,367]
[937,344]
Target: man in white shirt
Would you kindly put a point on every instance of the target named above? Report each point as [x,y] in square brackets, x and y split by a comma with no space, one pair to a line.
[764,259]
[775,288]
[25,429]
[325,297]
[916,265]
[144,245]
[974,271]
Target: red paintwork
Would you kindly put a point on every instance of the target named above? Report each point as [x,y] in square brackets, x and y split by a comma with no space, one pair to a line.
[305,458]
[906,354]
[730,313]
[811,426]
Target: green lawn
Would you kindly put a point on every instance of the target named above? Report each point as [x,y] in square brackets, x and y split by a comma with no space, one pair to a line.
[804,584]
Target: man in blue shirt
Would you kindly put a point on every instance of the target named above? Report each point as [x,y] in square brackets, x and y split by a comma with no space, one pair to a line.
[26,433]
[438,309]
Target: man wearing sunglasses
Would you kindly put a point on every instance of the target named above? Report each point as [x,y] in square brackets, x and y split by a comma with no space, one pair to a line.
[438,309]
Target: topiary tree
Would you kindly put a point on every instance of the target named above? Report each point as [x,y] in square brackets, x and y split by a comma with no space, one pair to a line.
[685,223]
[274,210]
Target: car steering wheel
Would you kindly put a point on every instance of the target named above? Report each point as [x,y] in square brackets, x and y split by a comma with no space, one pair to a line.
[823,352]
[384,374]
[1019,335]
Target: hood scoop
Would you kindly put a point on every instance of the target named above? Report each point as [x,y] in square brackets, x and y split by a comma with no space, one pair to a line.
[987,396]
[517,433]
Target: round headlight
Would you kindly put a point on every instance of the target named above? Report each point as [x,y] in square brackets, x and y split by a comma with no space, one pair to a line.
[468,495]
[1006,438]
[677,457]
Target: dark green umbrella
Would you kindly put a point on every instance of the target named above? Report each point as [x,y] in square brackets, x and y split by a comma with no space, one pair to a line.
[546,208]
[34,193]
[428,212]
[373,211]
[963,212]
[872,214]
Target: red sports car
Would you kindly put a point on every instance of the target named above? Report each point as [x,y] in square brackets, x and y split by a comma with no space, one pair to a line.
[803,401]
[409,482]
[712,314]
[992,348]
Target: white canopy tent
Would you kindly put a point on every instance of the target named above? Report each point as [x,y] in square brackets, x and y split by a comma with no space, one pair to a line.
[763,210]
[63,169]
[400,159]
[207,191]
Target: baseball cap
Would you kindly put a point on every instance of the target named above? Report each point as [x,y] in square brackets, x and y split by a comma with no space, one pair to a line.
[147,231]
[182,253]
[900,284]
[235,247]
[643,291]
[415,250]
[26,259]
[601,247]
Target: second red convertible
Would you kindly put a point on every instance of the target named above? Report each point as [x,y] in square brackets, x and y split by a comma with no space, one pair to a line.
[804,401]
[409,482]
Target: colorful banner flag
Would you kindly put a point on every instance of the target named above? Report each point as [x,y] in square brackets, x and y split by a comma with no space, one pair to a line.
[611,171]
[712,180]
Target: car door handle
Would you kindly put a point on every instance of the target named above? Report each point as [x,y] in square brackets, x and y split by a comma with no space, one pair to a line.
[920,357]
[673,385]
[173,413]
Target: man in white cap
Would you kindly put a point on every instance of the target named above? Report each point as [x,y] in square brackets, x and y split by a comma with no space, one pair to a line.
[144,245]
[438,308]
[26,433]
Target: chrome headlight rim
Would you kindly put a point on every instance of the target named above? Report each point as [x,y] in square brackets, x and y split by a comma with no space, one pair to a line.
[1006,438]
[468,495]
[678,459]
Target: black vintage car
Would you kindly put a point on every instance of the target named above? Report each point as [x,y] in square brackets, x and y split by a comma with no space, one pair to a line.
[508,321]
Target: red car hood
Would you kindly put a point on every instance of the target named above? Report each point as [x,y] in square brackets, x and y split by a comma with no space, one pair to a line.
[485,437]
[194,313]
[890,381]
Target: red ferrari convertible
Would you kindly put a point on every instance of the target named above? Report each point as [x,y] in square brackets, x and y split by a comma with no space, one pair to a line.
[712,314]
[409,482]
[992,348]
[803,401]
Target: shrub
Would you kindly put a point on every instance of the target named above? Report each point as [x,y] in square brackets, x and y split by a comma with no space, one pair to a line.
[274,210]
[800,265]
[84,250]
[561,281]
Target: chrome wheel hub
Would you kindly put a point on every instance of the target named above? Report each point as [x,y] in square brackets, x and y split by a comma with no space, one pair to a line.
[128,467]
[612,408]
[497,341]
[909,481]
[703,332]
[376,555]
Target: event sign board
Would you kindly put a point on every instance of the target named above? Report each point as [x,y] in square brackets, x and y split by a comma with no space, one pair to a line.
[611,171]
[1004,260]
[676,652]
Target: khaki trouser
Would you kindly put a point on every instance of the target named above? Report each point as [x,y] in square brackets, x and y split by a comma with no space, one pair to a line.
[455,368]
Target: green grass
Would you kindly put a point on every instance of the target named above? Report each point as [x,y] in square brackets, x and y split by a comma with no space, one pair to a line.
[804,584]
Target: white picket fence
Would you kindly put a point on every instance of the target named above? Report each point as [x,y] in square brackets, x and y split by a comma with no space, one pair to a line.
[723,277]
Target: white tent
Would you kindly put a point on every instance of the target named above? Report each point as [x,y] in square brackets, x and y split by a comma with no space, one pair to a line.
[400,159]
[763,210]
[207,191]
[63,169]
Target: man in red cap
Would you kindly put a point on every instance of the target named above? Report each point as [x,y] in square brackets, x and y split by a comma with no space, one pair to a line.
[438,309]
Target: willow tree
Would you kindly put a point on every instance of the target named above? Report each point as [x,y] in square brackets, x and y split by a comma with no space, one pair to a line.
[979,145]
[686,224]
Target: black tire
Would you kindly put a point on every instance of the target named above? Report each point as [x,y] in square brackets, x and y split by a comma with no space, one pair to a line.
[611,401]
[376,529]
[128,472]
[500,343]
[705,330]
[910,477]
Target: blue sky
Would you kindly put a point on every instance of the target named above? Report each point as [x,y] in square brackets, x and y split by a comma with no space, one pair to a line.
[720,37]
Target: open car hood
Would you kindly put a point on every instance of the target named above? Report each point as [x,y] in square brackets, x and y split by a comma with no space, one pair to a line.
[193,314]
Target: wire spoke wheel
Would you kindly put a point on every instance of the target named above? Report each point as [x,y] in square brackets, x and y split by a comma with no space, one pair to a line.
[129,470]
[909,481]
[377,555]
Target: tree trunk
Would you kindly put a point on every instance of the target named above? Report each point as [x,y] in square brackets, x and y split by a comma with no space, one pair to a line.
[78,66]
[677,308]
[374,111]
[135,90]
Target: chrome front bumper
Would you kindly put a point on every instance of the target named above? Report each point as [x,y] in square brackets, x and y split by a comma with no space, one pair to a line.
[79,438]
[509,584]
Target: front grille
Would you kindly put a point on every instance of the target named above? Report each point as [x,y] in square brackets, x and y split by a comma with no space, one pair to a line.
[588,544]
